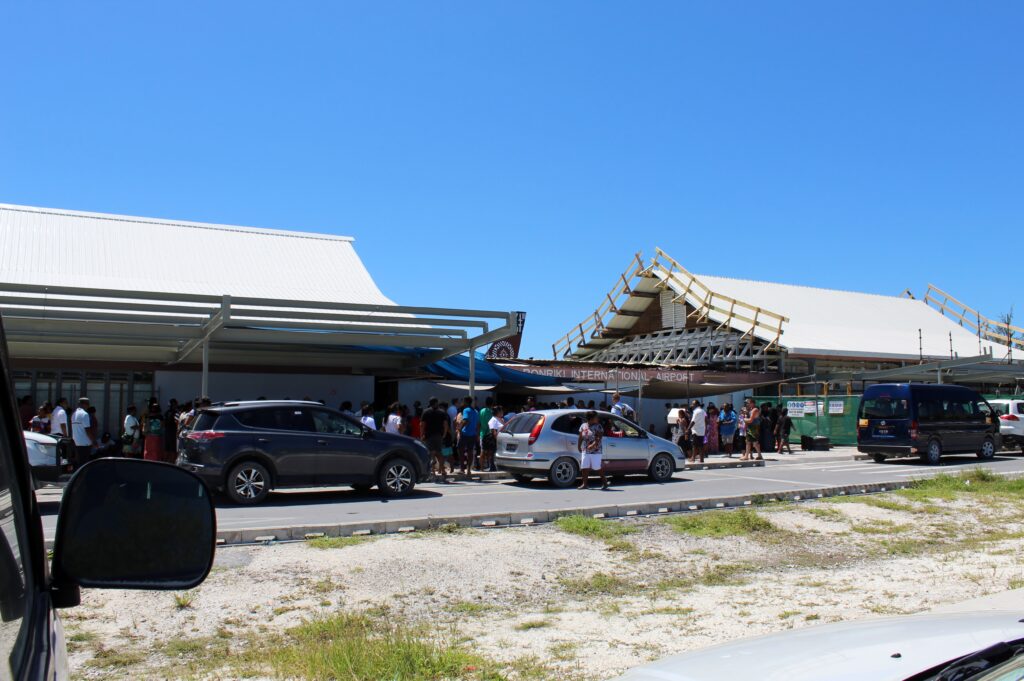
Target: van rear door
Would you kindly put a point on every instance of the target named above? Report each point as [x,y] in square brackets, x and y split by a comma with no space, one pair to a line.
[885,416]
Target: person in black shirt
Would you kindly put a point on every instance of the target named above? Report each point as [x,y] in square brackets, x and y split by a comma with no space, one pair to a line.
[434,428]
[783,429]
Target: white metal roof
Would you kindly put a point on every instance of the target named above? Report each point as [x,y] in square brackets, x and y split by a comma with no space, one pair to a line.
[52,247]
[832,322]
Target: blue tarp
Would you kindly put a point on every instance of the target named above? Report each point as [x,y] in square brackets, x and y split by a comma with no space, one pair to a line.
[457,368]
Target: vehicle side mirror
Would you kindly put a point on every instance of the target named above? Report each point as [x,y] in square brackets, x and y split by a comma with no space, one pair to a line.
[132,524]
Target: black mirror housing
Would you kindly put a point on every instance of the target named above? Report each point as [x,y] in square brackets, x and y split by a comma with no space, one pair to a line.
[132,524]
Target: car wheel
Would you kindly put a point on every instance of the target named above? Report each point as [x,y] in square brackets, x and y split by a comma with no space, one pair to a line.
[661,468]
[362,488]
[933,454]
[248,483]
[522,478]
[988,449]
[396,478]
[563,472]
[879,458]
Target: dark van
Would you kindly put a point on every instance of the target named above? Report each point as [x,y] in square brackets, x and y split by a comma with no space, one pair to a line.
[902,419]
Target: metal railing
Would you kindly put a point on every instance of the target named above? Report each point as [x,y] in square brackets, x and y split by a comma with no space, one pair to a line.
[991,330]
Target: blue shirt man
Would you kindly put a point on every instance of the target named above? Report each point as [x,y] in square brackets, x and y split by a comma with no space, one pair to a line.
[727,422]
[470,422]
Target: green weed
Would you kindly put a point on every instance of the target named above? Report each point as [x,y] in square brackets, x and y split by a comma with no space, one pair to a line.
[737,523]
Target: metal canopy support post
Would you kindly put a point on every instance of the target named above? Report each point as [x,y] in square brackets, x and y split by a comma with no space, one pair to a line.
[205,387]
[472,372]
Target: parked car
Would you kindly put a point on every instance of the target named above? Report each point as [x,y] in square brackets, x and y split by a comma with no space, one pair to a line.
[247,449]
[544,444]
[122,524]
[966,646]
[901,419]
[1011,421]
[43,458]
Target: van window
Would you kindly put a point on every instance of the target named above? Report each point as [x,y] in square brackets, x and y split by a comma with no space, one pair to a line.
[569,424]
[884,407]
[1020,407]
[521,424]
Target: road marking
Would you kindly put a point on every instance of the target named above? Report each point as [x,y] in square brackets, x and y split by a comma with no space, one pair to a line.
[788,482]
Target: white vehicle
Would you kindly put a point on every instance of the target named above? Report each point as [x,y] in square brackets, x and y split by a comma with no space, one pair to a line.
[42,457]
[916,648]
[544,444]
[1011,421]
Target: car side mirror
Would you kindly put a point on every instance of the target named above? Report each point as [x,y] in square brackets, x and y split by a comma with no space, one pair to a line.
[132,524]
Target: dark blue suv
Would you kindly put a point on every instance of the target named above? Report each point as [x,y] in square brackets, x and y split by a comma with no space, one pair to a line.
[247,449]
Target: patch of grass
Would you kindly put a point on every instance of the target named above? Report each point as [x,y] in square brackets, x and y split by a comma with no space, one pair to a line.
[563,651]
[669,610]
[827,514]
[530,668]
[212,646]
[532,624]
[184,600]
[738,523]
[283,609]
[724,574]
[324,586]
[598,584]
[470,607]
[336,542]
[812,617]
[786,614]
[583,525]
[85,636]
[353,646]
[978,481]
[880,527]
[1016,583]
[109,658]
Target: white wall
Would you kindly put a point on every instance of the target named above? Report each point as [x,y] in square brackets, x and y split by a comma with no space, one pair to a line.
[411,391]
[224,386]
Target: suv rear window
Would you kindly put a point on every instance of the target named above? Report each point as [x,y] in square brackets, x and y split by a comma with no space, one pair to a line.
[276,418]
[205,421]
[523,423]
[884,407]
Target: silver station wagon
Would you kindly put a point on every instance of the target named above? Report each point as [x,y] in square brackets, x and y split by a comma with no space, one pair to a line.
[543,444]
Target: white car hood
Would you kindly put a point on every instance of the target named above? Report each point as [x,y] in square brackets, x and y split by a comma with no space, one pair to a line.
[846,651]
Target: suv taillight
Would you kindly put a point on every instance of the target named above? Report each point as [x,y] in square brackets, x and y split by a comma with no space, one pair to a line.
[535,433]
[913,430]
[205,435]
[1009,417]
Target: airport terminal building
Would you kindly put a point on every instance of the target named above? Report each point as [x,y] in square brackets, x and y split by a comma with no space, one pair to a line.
[122,308]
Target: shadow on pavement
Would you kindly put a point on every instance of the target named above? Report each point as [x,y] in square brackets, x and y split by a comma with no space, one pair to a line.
[315,497]
[948,461]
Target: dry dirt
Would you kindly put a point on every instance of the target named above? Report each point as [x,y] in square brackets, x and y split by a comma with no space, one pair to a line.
[527,597]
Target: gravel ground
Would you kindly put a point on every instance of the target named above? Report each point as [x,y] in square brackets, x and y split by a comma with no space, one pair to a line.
[528,596]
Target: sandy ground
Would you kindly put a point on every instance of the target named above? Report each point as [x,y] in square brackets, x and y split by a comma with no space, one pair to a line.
[515,594]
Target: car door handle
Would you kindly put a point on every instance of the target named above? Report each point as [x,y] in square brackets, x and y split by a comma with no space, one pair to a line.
[321,442]
[263,439]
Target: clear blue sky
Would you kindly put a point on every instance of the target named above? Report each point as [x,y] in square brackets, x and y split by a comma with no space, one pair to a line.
[515,155]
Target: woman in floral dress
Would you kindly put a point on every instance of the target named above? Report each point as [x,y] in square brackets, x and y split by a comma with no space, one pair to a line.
[711,433]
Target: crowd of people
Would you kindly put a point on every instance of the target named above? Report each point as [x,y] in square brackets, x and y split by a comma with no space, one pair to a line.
[458,435]
[701,429]
[152,435]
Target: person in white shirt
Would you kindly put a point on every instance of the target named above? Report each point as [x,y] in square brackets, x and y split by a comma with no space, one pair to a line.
[394,423]
[59,419]
[698,427]
[490,441]
[367,418]
[82,432]
[620,408]
[133,434]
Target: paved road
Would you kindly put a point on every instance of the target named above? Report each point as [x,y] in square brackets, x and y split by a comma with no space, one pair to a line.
[786,474]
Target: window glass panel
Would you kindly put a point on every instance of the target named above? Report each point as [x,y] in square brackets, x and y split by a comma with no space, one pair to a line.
[521,424]
[334,424]
[569,423]
[625,427]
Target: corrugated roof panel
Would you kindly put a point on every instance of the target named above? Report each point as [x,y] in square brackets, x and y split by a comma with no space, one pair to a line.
[846,322]
[52,247]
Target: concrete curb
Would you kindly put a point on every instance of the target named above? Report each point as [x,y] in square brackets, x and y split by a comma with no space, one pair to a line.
[489,520]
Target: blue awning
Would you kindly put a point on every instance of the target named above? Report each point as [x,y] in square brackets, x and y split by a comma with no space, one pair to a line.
[457,368]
